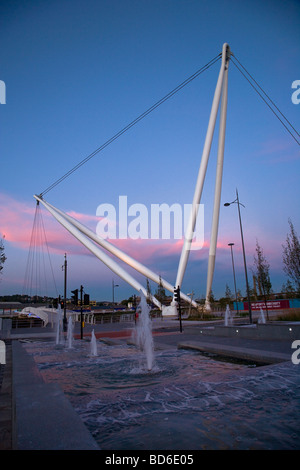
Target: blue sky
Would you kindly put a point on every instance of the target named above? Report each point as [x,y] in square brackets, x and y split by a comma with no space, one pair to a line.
[77,72]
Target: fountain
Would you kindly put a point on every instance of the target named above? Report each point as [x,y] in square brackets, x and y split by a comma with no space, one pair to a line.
[143,332]
[93,350]
[70,332]
[59,336]
[262,318]
[188,400]
[228,316]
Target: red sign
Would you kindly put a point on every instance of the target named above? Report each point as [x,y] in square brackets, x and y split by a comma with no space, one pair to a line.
[271,305]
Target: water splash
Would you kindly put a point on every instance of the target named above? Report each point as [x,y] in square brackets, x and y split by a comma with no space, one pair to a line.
[262,318]
[70,332]
[59,335]
[143,332]
[93,350]
[228,316]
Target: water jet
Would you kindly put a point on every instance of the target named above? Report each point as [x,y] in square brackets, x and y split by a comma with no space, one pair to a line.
[228,316]
[70,332]
[143,332]
[93,347]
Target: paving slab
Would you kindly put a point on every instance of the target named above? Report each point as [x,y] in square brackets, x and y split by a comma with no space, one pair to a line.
[249,354]
[6,402]
[45,419]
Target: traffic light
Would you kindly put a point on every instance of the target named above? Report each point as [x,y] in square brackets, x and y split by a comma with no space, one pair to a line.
[75,297]
[177,299]
[177,294]
[86,299]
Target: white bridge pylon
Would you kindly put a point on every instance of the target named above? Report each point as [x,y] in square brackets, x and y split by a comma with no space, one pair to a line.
[85,236]
[221,88]
[96,251]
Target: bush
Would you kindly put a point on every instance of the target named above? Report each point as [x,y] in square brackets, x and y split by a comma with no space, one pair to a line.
[291,315]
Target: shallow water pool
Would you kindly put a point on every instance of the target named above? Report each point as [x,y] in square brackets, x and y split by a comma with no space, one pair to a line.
[187,400]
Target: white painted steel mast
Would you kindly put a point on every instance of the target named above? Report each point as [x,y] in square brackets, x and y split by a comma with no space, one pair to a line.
[84,235]
[96,251]
[218,185]
[117,252]
[202,172]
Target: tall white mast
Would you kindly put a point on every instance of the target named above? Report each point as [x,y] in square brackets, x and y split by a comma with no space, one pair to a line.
[203,166]
[97,252]
[219,174]
[84,235]
[120,254]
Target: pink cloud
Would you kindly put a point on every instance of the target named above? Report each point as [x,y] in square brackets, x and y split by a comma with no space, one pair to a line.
[16,225]
[278,150]
[148,251]
[17,222]
[84,218]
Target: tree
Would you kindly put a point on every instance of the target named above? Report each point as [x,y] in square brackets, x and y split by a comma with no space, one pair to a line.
[288,290]
[223,301]
[149,293]
[239,294]
[262,273]
[160,293]
[228,293]
[2,256]
[291,257]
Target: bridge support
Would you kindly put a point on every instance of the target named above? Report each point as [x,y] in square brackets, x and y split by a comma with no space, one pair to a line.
[202,173]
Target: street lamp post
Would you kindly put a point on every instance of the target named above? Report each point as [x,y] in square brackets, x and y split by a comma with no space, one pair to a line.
[113,291]
[231,245]
[64,268]
[81,313]
[245,265]
[190,307]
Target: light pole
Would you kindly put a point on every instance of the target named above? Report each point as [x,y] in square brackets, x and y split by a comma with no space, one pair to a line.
[231,245]
[113,290]
[245,266]
[64,268]
[190,307]
[81,313]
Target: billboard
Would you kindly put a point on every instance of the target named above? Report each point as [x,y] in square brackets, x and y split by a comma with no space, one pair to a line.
[271,305]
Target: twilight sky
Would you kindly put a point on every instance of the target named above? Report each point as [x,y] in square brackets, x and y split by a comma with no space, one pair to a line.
[77,72]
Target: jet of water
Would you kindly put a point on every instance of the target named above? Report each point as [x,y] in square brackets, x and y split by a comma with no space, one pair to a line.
[59,339]
[70,332]
[262,316]
[144,338]
[94,351]
[228,317]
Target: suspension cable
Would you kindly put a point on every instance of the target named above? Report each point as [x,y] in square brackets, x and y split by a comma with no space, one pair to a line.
[135,121]
[36,264]
[233,59]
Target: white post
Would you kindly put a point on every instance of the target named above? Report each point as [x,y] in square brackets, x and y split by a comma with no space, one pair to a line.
[202,171]
[219,173]
[97,252]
